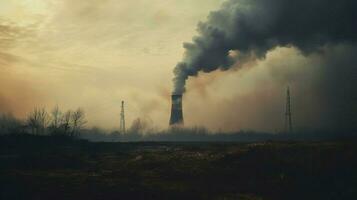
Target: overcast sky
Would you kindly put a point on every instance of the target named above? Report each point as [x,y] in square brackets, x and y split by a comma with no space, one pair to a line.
[94,53]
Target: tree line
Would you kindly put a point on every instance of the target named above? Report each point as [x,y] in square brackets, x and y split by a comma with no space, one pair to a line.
[41,122]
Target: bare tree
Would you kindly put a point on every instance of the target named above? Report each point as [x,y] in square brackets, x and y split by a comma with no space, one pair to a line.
[138,126]
[66,122]
[78,121]
[69,123]
[55,124]
[38,120]
[56,116]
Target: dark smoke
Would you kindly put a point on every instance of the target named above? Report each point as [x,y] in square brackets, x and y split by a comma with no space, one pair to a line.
[253,27]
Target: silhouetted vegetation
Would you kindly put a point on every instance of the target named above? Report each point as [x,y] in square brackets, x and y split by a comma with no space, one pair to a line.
[200,134]
[40,122]
[9,124]
[49,156]
[71,123]
[58,167]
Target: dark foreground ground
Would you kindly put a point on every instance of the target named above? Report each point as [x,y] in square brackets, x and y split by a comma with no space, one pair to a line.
[57,168]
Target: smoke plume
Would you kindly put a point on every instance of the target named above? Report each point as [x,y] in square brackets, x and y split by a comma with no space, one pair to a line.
[242,28]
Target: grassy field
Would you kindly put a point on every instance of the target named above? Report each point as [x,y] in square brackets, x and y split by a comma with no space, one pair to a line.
[59,168]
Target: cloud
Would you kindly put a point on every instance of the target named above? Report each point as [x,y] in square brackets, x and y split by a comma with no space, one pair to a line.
[321,86]
[93,54]
[257,26]
[17,92]
[323,35]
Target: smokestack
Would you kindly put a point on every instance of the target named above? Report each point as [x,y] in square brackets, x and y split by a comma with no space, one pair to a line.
[176,110]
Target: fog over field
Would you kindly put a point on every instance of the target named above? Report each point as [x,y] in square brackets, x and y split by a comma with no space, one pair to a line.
[178,99]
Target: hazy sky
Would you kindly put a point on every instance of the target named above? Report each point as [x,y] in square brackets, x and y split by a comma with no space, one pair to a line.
[95,53]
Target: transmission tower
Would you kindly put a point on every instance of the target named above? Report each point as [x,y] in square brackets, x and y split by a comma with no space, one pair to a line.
[122,118]
[288,121]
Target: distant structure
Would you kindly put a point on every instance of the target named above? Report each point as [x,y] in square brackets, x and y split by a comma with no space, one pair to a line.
[288,121]
[176,118]
[122,118]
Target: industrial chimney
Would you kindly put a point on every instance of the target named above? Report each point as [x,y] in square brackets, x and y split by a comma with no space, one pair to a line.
[176,110]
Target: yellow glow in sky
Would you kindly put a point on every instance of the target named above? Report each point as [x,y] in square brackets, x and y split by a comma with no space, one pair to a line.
[95,53]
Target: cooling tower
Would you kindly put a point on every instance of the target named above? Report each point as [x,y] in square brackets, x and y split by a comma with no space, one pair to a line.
[176,110]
